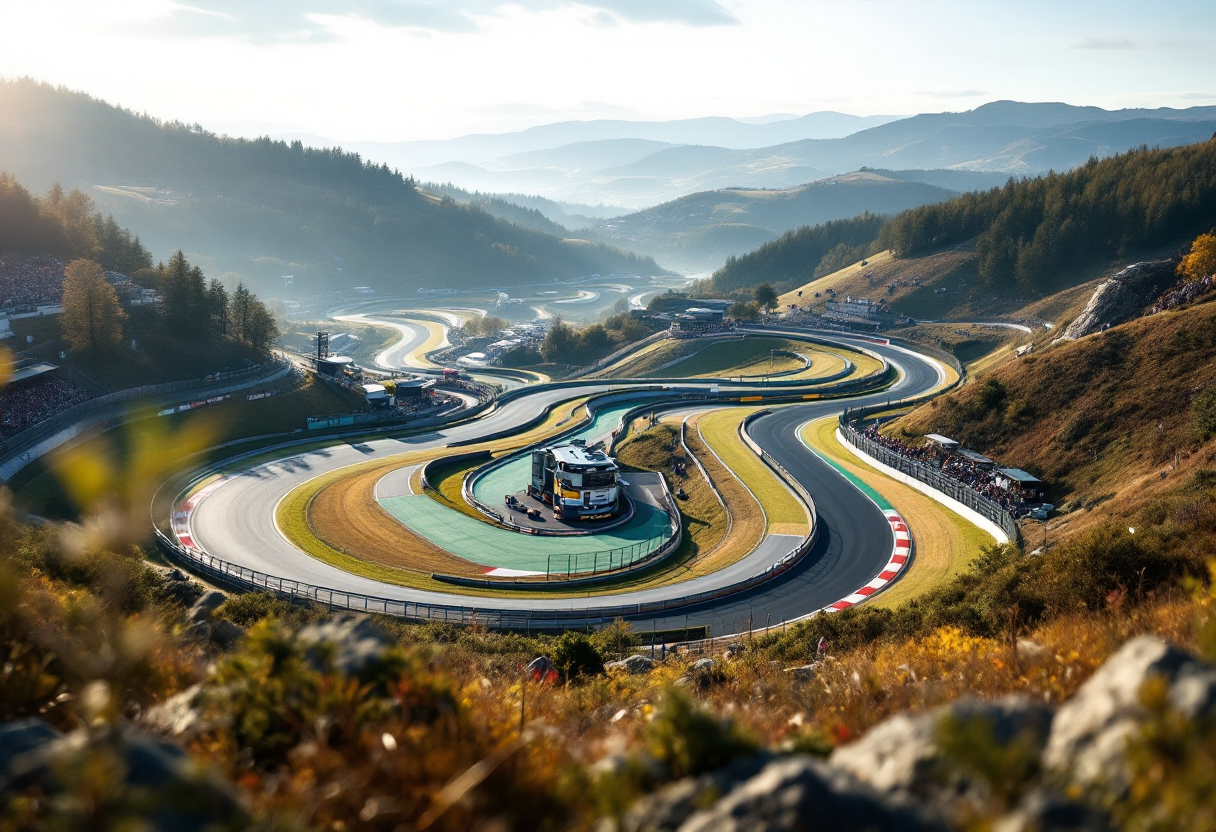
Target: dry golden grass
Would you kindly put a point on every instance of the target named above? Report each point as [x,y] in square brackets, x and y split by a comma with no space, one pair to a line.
[720,430]
[944,544]
[835,280]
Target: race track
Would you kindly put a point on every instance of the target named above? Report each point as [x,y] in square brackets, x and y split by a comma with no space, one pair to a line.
[236,521]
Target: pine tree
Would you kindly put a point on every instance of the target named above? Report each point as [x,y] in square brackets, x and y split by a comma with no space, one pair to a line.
[92,318]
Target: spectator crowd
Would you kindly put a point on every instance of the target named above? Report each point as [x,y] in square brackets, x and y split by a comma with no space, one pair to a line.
[29,280]
[978,478]
[25,405]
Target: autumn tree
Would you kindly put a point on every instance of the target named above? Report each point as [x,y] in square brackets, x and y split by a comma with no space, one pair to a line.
[92,318]
[1201,261]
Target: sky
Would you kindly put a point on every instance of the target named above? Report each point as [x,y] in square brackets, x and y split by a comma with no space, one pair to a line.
[396,70]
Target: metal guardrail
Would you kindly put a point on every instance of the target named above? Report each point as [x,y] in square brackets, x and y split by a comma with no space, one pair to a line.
[935,479]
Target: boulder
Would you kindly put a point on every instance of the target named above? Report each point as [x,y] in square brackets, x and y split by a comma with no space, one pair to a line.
[668,807]
[803,673]
[222,634]
[1089,734]
[801,792]
[1042,811]
[901,756]
[634,664]
[700,674]
[160,786]
[351,642]
[180,715]
[205,605]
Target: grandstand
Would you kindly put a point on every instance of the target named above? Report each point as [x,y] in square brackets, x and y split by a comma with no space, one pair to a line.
[28,281]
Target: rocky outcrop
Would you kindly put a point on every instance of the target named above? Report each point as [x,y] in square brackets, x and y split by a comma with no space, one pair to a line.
[162,787]
[1121,296]
[902,757]
[1090,732]
[351,642]
[917,771]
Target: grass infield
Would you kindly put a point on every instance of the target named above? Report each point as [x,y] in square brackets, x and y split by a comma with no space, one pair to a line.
[783,512]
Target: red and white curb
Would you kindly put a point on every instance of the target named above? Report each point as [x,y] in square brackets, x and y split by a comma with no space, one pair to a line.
[181,517]
[899,559]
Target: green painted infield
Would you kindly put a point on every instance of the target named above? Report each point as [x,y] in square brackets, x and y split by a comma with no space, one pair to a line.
[514,476]
[488,545]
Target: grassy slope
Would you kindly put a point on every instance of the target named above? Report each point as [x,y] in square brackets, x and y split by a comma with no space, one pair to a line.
[1100,419]
[944,542]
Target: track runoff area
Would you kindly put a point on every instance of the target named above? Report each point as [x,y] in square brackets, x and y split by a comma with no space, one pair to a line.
[859,545]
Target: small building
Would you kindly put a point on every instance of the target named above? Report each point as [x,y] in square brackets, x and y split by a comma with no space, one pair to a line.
[334,365]
[1015,479]
[702,313]
[579,482]
[375,395]
[976,459]
[943,442]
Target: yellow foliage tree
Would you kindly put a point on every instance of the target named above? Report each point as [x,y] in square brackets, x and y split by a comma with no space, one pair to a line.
[1202,259]
[92,317]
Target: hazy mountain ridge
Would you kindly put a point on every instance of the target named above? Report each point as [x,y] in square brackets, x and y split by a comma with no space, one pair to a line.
[260,209]
[1012,137]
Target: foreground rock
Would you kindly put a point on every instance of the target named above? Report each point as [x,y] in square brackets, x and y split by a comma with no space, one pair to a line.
[636,665]
[1090,732]
[157,785]
[761,794]
[902,756]
[351,642]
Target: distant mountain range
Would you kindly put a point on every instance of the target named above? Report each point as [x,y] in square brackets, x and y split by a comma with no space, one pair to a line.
[257,210]
[696,233]
[637,165]
[723,132]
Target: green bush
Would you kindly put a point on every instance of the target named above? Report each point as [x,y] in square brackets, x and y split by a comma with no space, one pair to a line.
[576,657]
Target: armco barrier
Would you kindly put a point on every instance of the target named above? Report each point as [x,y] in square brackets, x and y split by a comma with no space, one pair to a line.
[933,478]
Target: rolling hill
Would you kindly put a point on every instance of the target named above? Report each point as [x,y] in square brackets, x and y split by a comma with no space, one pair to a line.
[698,232]
[1029,238]
[261,209]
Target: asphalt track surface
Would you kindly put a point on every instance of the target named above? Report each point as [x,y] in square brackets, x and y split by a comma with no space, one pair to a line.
[236,521]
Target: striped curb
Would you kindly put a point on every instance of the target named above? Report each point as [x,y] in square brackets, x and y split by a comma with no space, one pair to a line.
[900,554]
[181,519]
[901,551]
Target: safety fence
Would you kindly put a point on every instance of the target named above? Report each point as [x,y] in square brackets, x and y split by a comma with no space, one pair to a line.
[73,414]
[932,477]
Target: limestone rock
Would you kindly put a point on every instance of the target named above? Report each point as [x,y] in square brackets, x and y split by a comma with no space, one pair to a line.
[804,793]
[1089,734]
[634,664]
[207,603]
[901,754]
[350,641]
[1048,812]
[178,716]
